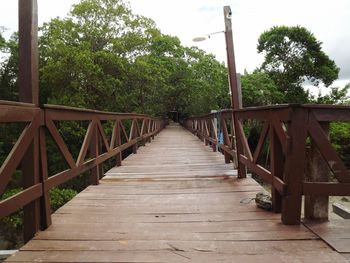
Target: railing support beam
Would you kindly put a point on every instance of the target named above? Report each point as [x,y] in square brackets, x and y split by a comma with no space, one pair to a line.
[316,207]
[295,167]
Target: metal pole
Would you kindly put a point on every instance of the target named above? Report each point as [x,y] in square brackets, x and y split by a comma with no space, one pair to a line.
[235,93]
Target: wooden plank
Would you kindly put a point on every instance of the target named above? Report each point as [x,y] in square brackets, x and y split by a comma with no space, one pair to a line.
[233,247]
[335,233]
[147,234]
[173,255]
[107,218]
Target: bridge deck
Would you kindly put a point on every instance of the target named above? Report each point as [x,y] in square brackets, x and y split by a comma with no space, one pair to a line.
[172,202]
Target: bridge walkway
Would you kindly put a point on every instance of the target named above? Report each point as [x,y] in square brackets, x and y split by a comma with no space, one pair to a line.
[173,201]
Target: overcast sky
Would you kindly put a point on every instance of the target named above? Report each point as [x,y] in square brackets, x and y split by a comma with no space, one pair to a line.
[186,19]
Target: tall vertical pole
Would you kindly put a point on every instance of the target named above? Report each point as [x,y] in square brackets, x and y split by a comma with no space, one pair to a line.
[29,92]
[231,64]
[235,93]
[28,51]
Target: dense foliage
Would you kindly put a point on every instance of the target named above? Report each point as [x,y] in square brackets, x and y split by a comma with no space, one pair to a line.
[259,90]
[11,226]
[293,55]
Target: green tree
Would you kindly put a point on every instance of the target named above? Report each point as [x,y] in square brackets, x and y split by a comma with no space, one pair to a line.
[9,68]
[293,55]
[208,83]
[86,57]
[258,89]
[337,96]
[340,137]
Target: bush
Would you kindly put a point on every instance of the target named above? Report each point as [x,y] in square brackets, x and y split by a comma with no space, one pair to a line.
[340,138]
[11,227]
[60,196]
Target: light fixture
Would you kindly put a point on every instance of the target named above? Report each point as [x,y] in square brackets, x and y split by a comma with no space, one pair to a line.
[205,37]
[199,39]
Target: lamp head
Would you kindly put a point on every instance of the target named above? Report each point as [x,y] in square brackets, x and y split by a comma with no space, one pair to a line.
[199,39]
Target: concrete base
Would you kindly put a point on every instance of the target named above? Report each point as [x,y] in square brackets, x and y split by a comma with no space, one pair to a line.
[341,210]
[6,253]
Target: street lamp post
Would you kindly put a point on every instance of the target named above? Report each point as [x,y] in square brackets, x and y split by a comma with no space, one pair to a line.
[236,96]
[235,93]
[231,65]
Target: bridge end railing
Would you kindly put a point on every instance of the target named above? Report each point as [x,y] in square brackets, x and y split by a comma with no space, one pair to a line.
[291,152]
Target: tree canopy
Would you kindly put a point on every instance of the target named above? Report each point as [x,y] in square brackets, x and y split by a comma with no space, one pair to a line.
[259,90]
[293,55]
[338,96]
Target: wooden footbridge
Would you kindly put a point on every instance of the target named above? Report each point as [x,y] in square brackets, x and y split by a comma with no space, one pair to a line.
[173,201]
[185,197]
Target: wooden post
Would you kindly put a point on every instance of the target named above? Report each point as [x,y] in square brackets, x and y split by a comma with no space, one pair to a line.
[316,207]
[153,128]
[119,142]
[239,91]
[142,132]
[295,167]
[28,51]
[135,146]
[201,130]
[235,97]
[276,164]
[29,92]
[94,150]
[215,136]
[133,131]
[226,138]
[148,129]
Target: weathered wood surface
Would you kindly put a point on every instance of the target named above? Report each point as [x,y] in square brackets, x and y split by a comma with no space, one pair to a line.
[336,233]
[174,201]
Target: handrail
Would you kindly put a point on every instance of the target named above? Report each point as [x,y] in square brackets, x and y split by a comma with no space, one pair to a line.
[39,120]
[204,127]
[286,129]
[83,110]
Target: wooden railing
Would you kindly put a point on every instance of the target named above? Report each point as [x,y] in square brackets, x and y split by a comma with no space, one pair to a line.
[217,130]
[42,121]
[286,130]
